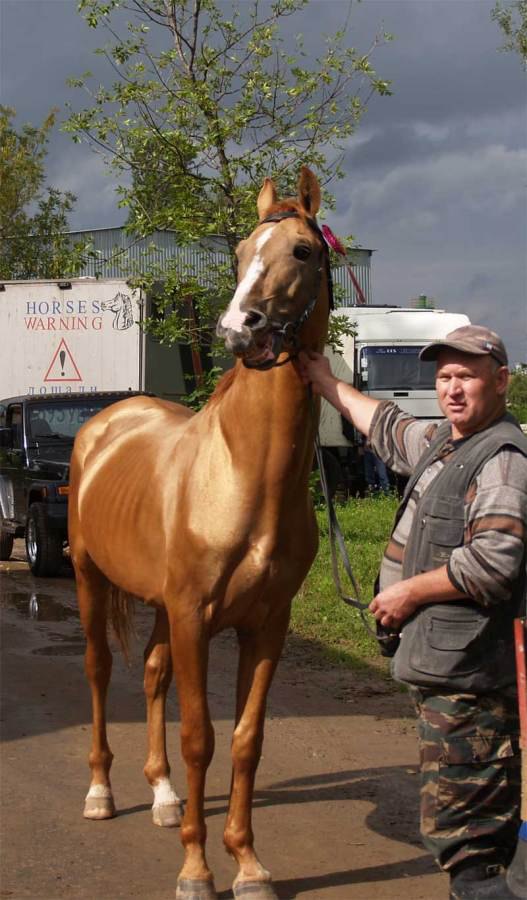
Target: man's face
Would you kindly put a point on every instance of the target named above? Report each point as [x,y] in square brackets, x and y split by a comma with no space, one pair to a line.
[470,390]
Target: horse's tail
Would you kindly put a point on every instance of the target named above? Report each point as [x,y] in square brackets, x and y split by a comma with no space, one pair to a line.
[121,609]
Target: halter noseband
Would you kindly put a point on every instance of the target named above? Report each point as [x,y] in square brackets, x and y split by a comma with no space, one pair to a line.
[288,331]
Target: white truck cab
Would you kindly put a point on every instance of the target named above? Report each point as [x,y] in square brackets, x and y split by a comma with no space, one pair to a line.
[382,361]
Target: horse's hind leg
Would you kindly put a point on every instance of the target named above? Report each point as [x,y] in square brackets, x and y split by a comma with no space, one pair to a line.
[92,594]
[167,807]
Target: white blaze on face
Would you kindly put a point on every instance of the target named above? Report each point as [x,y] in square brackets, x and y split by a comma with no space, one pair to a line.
[234,317]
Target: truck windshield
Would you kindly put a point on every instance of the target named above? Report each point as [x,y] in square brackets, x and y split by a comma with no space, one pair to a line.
[396,369]
[61,420]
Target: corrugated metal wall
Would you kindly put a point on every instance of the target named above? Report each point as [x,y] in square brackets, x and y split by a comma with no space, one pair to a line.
[119,255]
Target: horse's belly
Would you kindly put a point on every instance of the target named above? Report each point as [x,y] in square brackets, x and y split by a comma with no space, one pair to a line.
[129,557]
[122,524]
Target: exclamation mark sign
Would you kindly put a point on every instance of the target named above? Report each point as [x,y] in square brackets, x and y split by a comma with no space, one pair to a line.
[62,356]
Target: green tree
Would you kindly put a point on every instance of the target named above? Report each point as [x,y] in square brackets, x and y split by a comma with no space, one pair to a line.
[512,19]
[517,394]
[208,101]
[33,218]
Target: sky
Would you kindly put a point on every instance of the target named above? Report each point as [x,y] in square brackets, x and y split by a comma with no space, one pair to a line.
[436,175]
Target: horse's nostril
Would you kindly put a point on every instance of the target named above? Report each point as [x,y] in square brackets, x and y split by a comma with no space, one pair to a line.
[255,319]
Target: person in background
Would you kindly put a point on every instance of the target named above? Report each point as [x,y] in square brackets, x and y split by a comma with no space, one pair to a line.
[451,582]
[375,472]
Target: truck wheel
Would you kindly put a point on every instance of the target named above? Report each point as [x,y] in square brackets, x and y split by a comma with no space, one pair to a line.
[43,544]
[6,544]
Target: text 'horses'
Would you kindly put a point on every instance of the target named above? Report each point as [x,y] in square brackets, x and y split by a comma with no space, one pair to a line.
[208,518]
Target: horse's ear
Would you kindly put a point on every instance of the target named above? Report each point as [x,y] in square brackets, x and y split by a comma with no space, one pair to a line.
[266,198]
[309,191]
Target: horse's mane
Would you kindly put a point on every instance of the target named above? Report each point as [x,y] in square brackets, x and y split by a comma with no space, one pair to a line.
[287,205]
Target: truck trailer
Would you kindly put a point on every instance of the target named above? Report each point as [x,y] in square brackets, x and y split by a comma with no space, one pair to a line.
[83,336]
[382,361]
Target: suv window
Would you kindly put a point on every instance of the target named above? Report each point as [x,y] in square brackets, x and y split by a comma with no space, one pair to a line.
[60,419]
[14,419]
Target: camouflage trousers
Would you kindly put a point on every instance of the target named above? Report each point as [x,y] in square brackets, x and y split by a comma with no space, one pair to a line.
[470,775]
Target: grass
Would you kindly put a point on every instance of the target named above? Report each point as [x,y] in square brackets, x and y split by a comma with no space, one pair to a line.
[319,615]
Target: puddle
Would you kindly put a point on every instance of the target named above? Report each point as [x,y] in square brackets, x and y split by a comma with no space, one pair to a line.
[71,638]
[42,607]
[45,608]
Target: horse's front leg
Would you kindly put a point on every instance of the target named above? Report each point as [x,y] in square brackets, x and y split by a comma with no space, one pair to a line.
[190,653]
[259,655]
[167,807]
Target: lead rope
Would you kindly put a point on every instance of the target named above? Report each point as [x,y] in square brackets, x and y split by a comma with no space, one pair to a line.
[336,538]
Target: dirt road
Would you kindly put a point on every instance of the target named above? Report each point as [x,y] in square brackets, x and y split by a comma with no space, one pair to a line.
[335,811]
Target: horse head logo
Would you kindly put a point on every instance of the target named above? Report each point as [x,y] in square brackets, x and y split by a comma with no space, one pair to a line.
[121,306]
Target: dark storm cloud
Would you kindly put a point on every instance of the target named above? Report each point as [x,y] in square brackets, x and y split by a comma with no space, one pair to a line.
[436,174]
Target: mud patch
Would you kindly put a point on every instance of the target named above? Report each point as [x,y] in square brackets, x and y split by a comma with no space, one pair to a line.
[60,650]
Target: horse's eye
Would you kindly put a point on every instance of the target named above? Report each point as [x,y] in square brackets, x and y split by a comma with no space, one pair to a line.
[302,251]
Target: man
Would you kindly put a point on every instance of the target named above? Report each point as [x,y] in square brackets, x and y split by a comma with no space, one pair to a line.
[451,582]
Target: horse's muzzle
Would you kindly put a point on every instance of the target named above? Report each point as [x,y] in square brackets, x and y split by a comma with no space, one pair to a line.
[241,340]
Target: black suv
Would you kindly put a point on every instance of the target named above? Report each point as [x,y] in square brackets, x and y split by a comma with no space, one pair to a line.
[36,440]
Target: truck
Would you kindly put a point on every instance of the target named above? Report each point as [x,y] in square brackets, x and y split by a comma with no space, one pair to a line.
[69,348]
[382,360]
[84,335]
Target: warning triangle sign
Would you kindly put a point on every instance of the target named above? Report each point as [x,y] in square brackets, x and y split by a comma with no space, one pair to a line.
[62,366]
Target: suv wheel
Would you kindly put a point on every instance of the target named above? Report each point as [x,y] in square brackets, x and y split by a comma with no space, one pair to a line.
[43,544]
[6,544]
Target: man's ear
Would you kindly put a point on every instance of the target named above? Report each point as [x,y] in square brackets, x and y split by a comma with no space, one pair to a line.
[502,380]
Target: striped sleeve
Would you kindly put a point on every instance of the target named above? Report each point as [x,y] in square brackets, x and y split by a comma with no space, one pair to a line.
[399,439]
[489,561]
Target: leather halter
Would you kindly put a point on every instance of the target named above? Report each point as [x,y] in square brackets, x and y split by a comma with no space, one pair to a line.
[288,331]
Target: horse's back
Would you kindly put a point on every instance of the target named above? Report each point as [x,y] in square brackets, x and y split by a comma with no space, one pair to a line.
[124,418]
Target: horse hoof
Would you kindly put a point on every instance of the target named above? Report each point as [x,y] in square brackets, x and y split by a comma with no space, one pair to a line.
[99,808]
[195,889]
[167,815]
[254,890]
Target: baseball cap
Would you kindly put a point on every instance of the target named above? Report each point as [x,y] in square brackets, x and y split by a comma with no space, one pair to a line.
[474,339]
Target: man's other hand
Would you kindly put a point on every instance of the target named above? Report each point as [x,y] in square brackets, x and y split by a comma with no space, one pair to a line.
[394,605]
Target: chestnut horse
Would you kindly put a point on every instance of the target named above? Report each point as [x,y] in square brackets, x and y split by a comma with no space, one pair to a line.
[208,518]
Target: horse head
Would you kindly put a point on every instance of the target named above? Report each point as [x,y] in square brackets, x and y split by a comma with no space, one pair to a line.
[114,304]
[121,306]
[280,267]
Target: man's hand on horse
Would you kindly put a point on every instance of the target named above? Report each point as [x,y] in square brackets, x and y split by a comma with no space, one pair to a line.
[314,369]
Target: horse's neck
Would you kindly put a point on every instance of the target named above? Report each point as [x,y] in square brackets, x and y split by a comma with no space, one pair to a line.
[268,419]
[268,422]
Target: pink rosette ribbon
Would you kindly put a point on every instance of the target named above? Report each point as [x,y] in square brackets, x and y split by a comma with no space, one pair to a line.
[333,241]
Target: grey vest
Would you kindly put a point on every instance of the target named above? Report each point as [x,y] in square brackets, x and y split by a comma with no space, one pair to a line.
[456,645]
